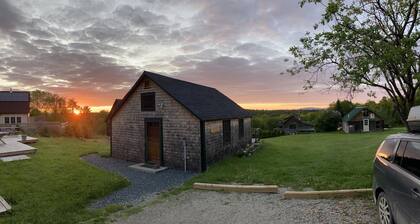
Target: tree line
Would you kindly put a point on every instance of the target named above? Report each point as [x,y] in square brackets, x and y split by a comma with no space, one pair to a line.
[79,121]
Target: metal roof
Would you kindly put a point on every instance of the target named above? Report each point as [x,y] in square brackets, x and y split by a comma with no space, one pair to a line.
[14,96]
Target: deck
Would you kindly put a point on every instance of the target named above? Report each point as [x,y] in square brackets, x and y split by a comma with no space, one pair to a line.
[14,147]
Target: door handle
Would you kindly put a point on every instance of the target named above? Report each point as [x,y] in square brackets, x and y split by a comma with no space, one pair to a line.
[415,192]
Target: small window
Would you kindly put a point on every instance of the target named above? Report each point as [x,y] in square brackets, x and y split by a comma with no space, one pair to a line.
[366,122]
[241,128]
[147,84]
[372,116]
[386,150]
[411,160]
[13,120]
[7,120]
[18,120]
[148,102]
[226,132]
[365,113]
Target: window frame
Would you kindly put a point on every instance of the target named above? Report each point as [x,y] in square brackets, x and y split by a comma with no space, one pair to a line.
[7,120]
[19,120]
[12,120]
[142,100]
[227,132]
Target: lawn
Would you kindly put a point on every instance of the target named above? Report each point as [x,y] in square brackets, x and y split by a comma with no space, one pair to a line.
[320,161]
[55,186]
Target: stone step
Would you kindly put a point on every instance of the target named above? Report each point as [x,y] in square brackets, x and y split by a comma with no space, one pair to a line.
[14,158]
[4,206]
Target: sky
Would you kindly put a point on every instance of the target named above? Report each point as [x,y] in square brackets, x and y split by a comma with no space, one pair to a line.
[94,50]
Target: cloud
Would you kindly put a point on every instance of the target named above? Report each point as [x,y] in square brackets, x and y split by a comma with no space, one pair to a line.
[94,50]
[9,16]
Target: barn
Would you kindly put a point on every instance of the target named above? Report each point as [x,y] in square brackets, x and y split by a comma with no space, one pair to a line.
[293,125]
[362,119]
[163,121]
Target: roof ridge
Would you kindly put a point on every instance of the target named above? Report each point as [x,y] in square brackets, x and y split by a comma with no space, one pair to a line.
[178,80]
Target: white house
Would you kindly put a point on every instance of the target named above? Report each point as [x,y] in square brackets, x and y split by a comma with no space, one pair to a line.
[14,107]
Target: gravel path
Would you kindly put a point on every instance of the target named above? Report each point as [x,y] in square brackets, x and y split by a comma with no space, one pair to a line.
[143,185]
[217,207]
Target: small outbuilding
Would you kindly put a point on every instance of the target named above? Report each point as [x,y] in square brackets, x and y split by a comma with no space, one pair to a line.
[293,125]
[168,122]
[14,107]
[362,119]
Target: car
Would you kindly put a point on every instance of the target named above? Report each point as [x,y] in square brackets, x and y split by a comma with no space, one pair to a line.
[396,179]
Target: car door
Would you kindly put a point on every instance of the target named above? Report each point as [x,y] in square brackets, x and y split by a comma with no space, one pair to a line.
[406,188]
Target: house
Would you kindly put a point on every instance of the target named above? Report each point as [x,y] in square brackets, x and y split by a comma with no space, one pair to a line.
[293,125]
[14,107]
[163,121]
[362,119]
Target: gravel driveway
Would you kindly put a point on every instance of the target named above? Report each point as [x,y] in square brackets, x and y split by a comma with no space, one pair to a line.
[217,207]
[143,185]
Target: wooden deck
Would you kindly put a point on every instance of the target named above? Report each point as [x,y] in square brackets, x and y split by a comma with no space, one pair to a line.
[14,147]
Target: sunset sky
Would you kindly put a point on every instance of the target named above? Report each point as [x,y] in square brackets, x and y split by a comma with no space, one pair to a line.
[94,51]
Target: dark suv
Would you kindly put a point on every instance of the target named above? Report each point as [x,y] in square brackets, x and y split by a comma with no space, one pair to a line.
[396,179]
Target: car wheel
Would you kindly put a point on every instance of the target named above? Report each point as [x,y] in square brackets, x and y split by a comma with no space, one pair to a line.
[384,209]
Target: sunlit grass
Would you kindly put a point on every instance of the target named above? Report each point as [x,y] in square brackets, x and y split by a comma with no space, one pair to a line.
[55,186]
[319,161]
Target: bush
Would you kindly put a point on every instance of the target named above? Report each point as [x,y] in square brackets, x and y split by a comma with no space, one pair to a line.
[328,120]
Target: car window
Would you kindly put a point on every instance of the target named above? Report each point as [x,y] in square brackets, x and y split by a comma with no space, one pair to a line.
[411,160]
[386,150]
[400,152]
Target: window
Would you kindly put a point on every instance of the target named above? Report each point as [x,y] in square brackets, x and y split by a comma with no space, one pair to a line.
[18,120]
[241,128]
[365,113]
[13,120]
[411,160]
[226,132]
[400,153]
[386,150]
[148,102]
[147,84]
[292,126]
[7,120]
[366,122]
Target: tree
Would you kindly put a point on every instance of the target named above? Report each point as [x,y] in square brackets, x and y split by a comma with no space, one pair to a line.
[328,120]
[366,43]
[344,107]
[72,105]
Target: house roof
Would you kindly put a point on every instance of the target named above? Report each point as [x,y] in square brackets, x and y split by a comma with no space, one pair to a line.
[16,102]
[115,106]
[353,113]
[204,102]
[14,96]
[297,118]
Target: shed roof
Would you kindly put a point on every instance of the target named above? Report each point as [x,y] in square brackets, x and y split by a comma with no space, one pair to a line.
[115,106]
[204,102]
[353,113]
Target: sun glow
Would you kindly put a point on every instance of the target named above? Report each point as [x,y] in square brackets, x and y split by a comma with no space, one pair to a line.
[76,112]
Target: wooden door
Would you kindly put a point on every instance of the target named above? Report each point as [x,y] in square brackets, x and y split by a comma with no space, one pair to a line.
[153,143]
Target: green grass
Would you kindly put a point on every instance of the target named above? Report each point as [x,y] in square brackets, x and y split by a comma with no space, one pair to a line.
[55,186]
[321,161]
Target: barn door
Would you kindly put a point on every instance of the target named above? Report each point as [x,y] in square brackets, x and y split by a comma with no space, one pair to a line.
[153,142]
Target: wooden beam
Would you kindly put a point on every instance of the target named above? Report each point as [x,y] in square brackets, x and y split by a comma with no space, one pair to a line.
[237,188]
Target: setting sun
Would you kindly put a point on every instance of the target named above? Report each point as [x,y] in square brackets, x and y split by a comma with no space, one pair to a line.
[76,112]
